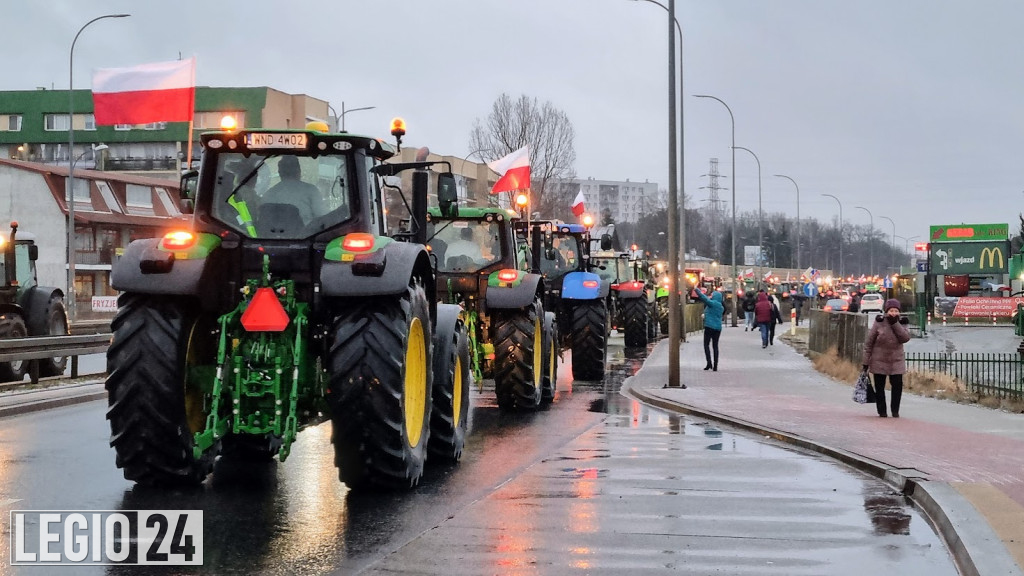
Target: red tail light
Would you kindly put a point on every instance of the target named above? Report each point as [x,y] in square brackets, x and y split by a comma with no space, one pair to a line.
[827,308]
[178,240]
[265,313]
[358,242]
[508,275]
[590,283]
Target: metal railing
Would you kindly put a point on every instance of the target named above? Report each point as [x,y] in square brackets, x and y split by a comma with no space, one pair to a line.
[990,374]
[34,349]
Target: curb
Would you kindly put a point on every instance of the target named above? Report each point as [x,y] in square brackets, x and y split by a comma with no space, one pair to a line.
[75,394]
[975,548]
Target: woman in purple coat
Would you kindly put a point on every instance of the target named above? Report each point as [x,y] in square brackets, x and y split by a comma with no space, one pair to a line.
[883,355]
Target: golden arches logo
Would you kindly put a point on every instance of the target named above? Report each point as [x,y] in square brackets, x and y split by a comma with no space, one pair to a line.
[992,253]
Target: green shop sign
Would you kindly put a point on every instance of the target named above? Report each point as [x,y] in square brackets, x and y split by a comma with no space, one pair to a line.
[969,257]
[958,232]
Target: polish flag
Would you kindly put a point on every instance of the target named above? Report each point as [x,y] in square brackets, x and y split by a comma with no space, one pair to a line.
[156,92]
[577,204]
[515,171]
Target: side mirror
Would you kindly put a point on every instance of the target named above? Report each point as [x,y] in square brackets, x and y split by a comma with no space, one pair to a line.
[189,184]
[33,252]
[447,195]
[606,242]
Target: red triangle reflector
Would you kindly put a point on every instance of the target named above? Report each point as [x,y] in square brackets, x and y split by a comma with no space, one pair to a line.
[265,313]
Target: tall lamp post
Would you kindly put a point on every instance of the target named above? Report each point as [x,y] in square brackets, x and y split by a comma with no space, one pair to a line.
[840,233]
[760,237]
[893,240]
[71,307]
[732,119]
[798,239]
[343,112]
[871,240]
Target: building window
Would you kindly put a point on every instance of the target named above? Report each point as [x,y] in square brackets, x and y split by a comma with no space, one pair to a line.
[154,126]
[56,123]
[122,127]
[14,123]
[139,199]
[90,122]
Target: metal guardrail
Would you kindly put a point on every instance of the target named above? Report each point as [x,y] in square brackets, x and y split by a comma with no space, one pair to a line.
[990,374]
[37,348]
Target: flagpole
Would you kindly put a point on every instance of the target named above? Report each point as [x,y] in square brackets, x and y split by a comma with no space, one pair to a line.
[188,158]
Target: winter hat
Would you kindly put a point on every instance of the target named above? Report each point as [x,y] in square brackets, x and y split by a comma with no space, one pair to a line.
[892,303]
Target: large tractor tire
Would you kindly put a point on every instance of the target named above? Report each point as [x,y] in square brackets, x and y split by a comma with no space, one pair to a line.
[634,312]
[589,340]
[449,419]
[662,305]
[56,325]
[380,390]
[550,343]
[155,408]
[12,326]
[652,322]
[518,356]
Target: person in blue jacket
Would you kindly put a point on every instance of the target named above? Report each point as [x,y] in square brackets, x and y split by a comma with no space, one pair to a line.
[713,310]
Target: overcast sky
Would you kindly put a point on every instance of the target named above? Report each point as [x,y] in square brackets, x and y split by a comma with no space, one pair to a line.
[913,109]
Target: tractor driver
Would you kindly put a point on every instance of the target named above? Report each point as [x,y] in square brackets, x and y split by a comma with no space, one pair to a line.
[465,246]
[292,190]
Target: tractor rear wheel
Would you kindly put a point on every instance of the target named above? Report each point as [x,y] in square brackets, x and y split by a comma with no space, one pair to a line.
[589,340]
[380,389]
[549,383]
[12,326]
[634,312]
[449,419]
[518,356]
[155,408]
[56,325]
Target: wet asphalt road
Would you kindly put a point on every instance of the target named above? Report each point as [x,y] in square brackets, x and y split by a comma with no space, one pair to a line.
[596,484]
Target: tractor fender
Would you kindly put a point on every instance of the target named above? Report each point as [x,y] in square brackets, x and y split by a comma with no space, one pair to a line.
[629,294]
[165,275]
[445,323]
[574,289]
[519,296]
[12,309]
[36,303]
[388,273]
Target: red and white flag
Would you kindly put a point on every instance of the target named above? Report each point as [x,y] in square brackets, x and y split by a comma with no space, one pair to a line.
[156,92]
[515,171]
[577,204]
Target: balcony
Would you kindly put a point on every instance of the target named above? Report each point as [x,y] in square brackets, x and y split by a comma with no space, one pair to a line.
[140,164]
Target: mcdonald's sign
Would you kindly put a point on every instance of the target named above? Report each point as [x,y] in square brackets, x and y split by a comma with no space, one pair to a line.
[968,257]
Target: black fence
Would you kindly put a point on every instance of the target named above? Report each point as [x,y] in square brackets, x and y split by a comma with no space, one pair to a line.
[989,374]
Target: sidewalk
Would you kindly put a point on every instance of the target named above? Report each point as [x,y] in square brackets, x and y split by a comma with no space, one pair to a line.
[19,399]
[963,465]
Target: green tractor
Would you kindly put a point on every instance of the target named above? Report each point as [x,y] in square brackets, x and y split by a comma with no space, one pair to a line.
[26,308]
[285,305]
[574,292]
[481,268]
[631,299]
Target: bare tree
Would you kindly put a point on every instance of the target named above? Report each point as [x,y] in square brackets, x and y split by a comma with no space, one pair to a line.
[548,132]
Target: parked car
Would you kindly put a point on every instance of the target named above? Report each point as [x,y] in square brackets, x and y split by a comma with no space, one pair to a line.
[872,302]
[836,305]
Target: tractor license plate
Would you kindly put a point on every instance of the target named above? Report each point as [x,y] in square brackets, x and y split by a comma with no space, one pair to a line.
[266,140]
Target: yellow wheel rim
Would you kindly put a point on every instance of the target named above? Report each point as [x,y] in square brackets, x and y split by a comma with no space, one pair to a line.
[551,365]
[538,354]
[415,389]
[457,392]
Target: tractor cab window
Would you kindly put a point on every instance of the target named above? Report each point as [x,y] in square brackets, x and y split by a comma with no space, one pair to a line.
[566,257]
[281,196]
[26,278]
[466,245]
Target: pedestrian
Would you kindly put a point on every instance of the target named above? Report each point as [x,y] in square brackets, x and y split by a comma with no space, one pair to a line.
[854,303]
[749,300]
[776,319]
[713,311]
[883,355]
[798,301]
[763,316]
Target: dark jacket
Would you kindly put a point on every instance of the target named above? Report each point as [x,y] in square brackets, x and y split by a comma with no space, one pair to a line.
[763,309]
[749,300]
[883,349]
[776,314]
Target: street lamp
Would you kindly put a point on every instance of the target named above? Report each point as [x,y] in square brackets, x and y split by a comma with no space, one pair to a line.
[871,238]
[840,233]
[798,242]
[733,149]
[71,164]
[760,238]
[343,112]
[673,200]
[893,240]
